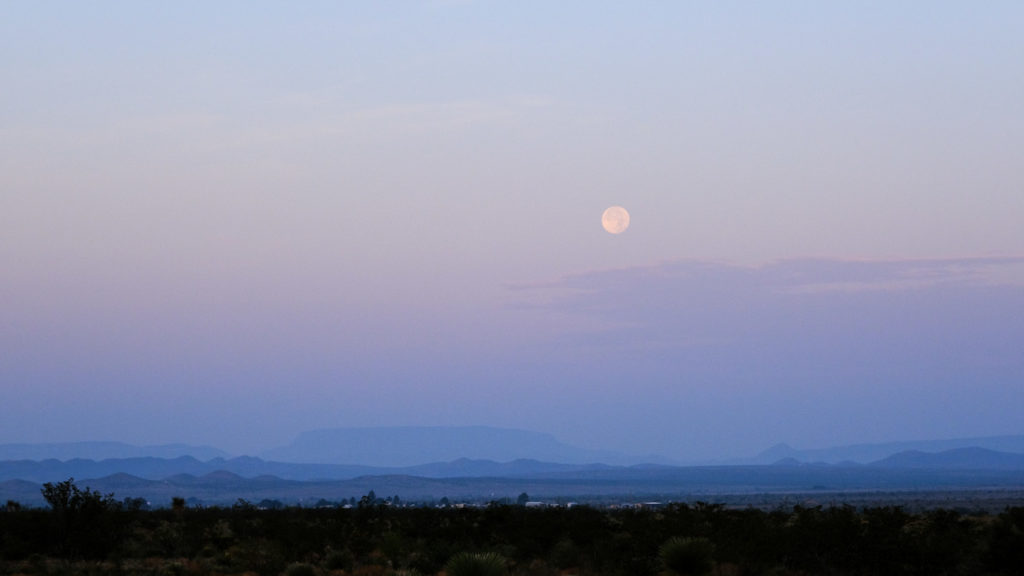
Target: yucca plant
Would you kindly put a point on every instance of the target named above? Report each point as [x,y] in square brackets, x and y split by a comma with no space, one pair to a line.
[470,564]
[687,556]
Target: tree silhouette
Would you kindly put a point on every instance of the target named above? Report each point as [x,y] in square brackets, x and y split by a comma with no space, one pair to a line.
[66,498]
[369,499]
[83,519]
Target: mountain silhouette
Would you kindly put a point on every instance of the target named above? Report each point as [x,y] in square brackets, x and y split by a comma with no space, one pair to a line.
[972,458]
[414,445]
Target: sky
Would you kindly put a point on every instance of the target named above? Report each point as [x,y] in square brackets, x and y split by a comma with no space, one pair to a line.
[228,223]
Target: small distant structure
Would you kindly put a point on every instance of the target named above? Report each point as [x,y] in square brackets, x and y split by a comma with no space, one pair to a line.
[533,504]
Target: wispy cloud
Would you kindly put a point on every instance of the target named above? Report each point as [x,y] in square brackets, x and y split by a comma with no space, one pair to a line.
[788,304]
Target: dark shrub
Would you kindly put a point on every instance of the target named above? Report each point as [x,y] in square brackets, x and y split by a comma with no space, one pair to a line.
[466,564]
[687,556]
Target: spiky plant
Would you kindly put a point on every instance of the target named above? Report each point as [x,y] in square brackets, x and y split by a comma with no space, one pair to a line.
[687,556]
[470,564]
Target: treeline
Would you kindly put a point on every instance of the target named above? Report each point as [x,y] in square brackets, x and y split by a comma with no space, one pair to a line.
[88,532]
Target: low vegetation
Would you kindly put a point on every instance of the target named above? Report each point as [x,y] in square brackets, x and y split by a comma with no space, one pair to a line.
[687,556]
[84,532]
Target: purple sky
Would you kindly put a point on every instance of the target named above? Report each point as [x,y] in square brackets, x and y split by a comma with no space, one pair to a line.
[230,223]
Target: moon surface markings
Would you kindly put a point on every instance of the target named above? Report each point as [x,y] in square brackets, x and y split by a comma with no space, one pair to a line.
[615,220]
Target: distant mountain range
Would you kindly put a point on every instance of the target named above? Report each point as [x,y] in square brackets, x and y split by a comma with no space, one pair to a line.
[391,447]
[865,453]
[973,458]
[630,483]
[249,467]
[245,466]
[344,463]
[433,452]
[412,445]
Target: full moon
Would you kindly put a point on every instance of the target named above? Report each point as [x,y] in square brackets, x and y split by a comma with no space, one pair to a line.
[615,220]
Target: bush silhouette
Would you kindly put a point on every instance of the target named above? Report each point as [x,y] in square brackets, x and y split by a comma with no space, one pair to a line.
[467,564]
[687,556]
